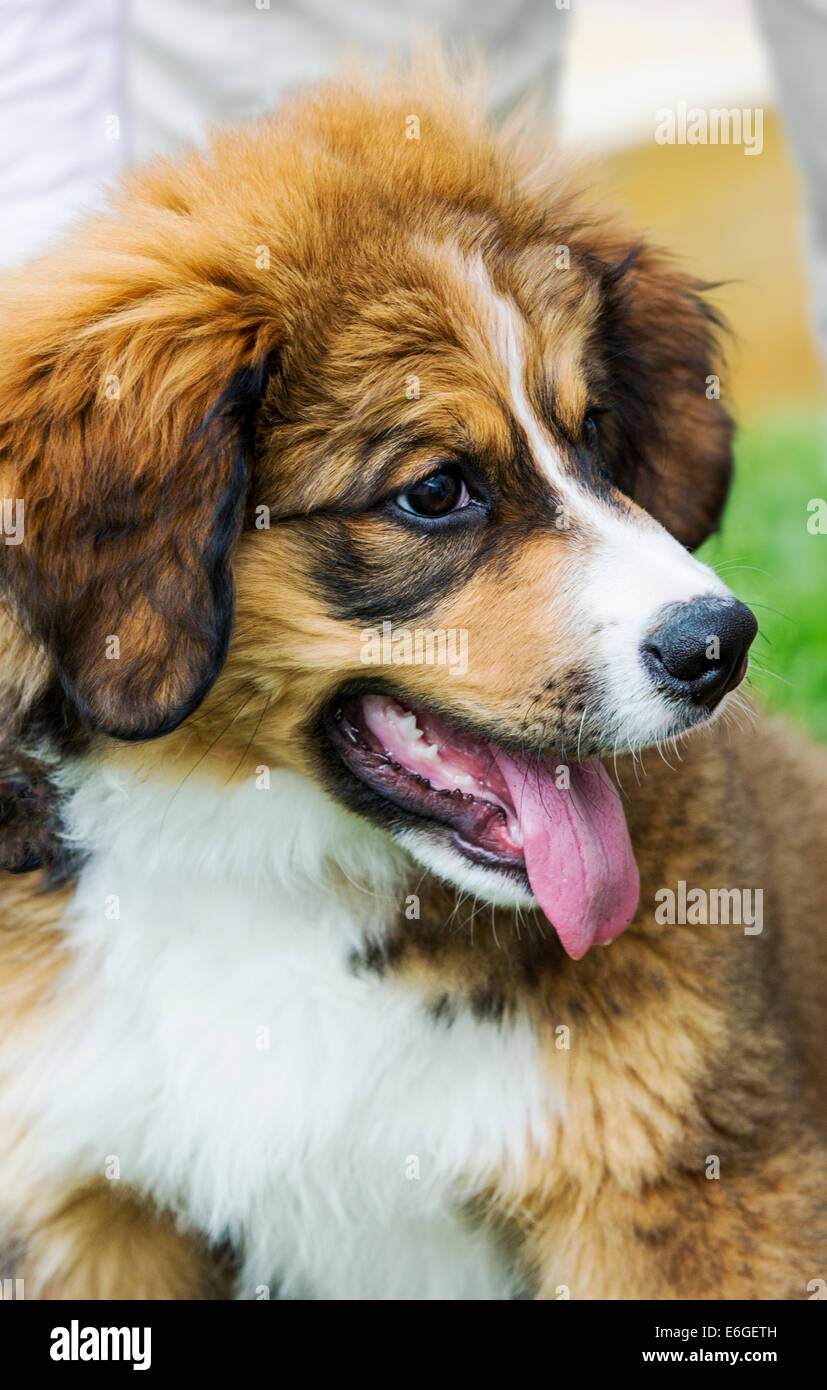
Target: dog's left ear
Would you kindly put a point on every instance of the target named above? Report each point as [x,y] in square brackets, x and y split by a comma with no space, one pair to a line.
[668,439]
[125,416]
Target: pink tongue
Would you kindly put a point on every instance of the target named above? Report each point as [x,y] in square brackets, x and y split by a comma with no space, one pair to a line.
[578,854]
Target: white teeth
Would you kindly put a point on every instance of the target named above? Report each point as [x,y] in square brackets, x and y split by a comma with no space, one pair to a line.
[515,831]
[430,751]
[406,724]
[462,779]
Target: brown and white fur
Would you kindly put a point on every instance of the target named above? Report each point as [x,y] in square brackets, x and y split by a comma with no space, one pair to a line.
[234,1059]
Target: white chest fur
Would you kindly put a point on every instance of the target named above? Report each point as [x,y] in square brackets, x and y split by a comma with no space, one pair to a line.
[216,1047]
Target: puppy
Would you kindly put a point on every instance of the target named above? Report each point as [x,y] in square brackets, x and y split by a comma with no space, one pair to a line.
[361,460]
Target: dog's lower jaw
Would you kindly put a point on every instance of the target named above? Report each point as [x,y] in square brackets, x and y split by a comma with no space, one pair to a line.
[448,863]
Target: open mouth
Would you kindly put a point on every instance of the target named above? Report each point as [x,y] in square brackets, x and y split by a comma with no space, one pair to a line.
[560,825]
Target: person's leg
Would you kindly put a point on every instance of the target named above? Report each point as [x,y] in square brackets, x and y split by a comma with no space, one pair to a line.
[194,63]
[64,132]
[796,34]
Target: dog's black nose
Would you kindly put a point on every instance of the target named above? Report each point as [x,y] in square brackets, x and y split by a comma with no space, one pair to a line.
[698,650]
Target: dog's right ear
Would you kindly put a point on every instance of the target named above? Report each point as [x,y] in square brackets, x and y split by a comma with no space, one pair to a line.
[128,385]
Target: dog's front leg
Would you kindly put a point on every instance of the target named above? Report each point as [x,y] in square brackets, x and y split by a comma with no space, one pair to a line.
[756,1234]
[100,1241]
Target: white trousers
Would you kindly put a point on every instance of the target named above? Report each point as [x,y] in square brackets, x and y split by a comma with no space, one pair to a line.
[168,69]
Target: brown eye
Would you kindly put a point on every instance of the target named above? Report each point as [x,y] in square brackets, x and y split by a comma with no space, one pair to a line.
[438,495]
[591,429]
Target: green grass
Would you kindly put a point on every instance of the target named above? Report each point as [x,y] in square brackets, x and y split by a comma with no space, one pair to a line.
[773,563]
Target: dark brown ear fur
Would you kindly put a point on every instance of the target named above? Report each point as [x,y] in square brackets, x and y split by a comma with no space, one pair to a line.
[669,440]
[124,431]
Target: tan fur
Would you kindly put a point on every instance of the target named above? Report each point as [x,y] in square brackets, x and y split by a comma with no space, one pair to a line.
[32,945]
[102,1242]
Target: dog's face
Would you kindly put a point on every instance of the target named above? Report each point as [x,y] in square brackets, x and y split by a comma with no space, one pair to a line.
[444,436]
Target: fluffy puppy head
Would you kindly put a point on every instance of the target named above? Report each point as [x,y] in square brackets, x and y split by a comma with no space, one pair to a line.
[358,369]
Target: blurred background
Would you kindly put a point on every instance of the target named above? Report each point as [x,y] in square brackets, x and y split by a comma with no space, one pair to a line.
[89,86]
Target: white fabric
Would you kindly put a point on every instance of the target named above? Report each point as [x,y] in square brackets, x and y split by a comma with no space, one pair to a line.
[169,69]
[61,83]
[196,62]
